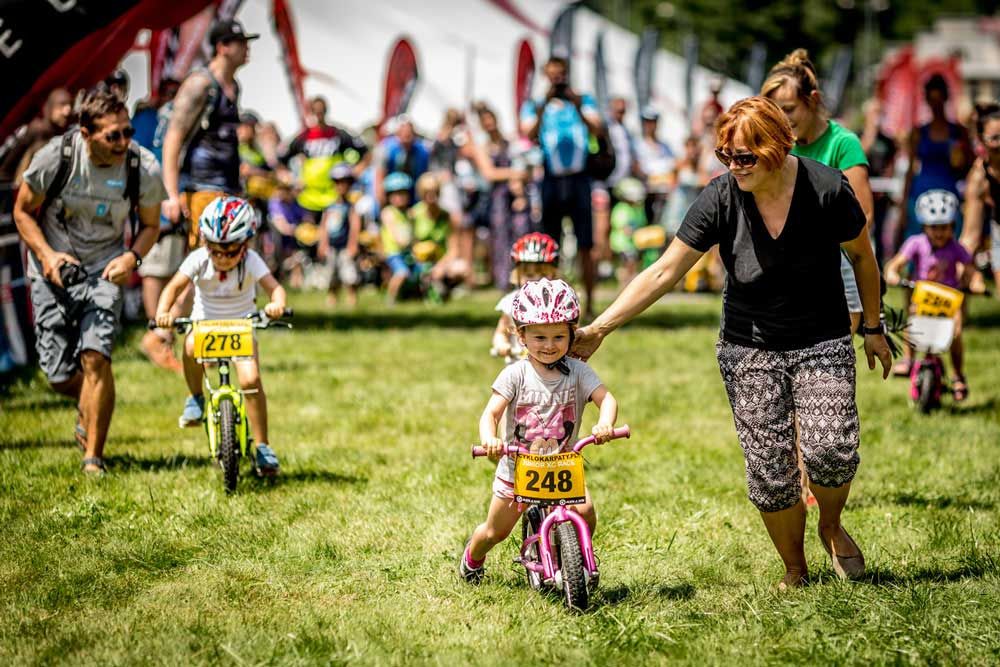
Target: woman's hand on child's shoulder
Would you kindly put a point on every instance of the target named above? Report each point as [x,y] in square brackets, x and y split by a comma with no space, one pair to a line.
[585,343]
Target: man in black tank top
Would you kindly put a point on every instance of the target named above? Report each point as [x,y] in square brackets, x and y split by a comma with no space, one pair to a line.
[201,149]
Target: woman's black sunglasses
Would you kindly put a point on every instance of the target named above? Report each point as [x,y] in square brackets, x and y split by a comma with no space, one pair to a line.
[742,160]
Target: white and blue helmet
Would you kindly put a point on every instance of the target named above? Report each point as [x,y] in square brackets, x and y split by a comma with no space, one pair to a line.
[228,220]
[936,207]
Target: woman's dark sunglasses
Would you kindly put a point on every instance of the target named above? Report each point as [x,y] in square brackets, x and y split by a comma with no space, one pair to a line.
[742,160]
[228,254]
[114,136]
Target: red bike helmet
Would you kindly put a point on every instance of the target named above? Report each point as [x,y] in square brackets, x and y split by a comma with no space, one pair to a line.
[535,248]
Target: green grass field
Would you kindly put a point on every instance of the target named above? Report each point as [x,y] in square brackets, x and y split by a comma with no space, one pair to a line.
[351,557]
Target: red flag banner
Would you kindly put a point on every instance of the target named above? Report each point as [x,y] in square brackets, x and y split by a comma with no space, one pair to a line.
[401,77]
[286,36]
[524,75]
[897,83]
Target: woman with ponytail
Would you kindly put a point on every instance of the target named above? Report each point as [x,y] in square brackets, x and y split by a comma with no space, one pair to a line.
[792,84]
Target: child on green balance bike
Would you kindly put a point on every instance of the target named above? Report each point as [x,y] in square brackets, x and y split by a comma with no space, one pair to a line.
[546,394]
[224,272]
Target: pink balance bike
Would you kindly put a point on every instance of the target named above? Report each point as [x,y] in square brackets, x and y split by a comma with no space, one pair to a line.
[557,552]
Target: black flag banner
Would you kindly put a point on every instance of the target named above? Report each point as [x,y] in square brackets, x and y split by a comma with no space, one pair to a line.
[71,43]
[600,74]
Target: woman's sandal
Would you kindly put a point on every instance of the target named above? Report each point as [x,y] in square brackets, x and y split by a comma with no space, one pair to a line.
[902,368]
[846,567]
[959,389]
[94,461]
[792,582]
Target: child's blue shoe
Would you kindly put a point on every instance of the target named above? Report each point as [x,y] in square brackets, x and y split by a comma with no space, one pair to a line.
[267,460]
[194,412]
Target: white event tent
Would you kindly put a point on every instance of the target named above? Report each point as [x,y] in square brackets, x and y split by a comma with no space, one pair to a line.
[465,50]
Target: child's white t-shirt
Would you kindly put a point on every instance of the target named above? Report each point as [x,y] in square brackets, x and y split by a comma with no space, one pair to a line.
[220,297]
[506,304]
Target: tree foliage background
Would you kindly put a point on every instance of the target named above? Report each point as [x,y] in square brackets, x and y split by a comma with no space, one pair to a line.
[728,29]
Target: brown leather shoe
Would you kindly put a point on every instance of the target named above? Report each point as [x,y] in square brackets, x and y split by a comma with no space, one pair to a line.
[846,567]
[160,352]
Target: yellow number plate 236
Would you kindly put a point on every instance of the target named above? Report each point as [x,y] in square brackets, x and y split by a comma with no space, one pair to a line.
[555,479]
[221,339]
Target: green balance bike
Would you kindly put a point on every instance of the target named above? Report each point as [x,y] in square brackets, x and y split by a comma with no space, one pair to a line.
[219,343]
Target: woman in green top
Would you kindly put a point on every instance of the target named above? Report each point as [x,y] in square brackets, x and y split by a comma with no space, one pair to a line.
[792,84]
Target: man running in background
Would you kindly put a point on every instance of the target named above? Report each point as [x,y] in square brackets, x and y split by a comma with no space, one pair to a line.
[201,150]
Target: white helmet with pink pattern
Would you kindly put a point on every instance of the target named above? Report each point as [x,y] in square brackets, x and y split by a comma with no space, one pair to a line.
[545,301]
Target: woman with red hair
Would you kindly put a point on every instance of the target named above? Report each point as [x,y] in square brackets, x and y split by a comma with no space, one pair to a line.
[785,350]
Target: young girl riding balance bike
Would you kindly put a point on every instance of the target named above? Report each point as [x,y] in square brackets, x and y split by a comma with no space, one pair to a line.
[936,256]
[224,272]
[547,393]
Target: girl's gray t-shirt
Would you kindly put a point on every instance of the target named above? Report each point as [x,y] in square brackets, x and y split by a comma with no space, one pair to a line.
[545,412]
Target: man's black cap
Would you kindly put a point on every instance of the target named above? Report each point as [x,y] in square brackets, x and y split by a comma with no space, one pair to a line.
[227,31]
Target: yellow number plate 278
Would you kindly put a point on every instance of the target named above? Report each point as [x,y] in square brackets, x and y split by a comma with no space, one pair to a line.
[221,339]
[555,479]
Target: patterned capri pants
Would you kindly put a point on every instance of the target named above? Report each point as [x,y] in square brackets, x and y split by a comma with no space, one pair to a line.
[769,392]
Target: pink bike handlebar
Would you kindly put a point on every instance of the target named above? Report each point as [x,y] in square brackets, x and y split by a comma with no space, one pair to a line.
[514,450]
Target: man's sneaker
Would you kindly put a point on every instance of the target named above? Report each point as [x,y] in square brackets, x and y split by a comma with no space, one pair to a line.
[194,412]
[267,460]
[472,575]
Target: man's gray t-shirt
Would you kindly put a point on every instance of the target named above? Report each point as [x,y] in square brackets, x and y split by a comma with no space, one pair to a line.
[92,203]
[547,410]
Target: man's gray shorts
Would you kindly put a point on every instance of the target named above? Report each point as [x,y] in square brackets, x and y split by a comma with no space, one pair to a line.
[67,322]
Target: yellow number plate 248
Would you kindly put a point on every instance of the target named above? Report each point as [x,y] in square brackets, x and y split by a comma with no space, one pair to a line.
[554,479]
[222,339]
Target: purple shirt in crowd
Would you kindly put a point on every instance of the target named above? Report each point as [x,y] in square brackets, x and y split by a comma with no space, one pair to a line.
[937,264]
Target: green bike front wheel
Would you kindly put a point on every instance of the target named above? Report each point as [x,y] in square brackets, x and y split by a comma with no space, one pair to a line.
[229,445]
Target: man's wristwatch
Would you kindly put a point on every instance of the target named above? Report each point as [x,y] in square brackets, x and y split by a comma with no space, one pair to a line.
[873,331]
[138,257]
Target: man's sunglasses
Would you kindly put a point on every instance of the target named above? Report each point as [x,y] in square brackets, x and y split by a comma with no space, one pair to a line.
[742,160]
[115,136]
[228,254]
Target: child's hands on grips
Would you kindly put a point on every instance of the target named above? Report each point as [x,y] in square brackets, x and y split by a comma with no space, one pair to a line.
[273,310]
[494,448]
[164,320]
[602,433]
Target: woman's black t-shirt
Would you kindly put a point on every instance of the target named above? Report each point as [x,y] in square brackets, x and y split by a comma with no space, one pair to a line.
[784,293]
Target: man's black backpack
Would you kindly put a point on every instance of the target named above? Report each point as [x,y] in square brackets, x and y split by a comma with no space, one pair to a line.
[62,177]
